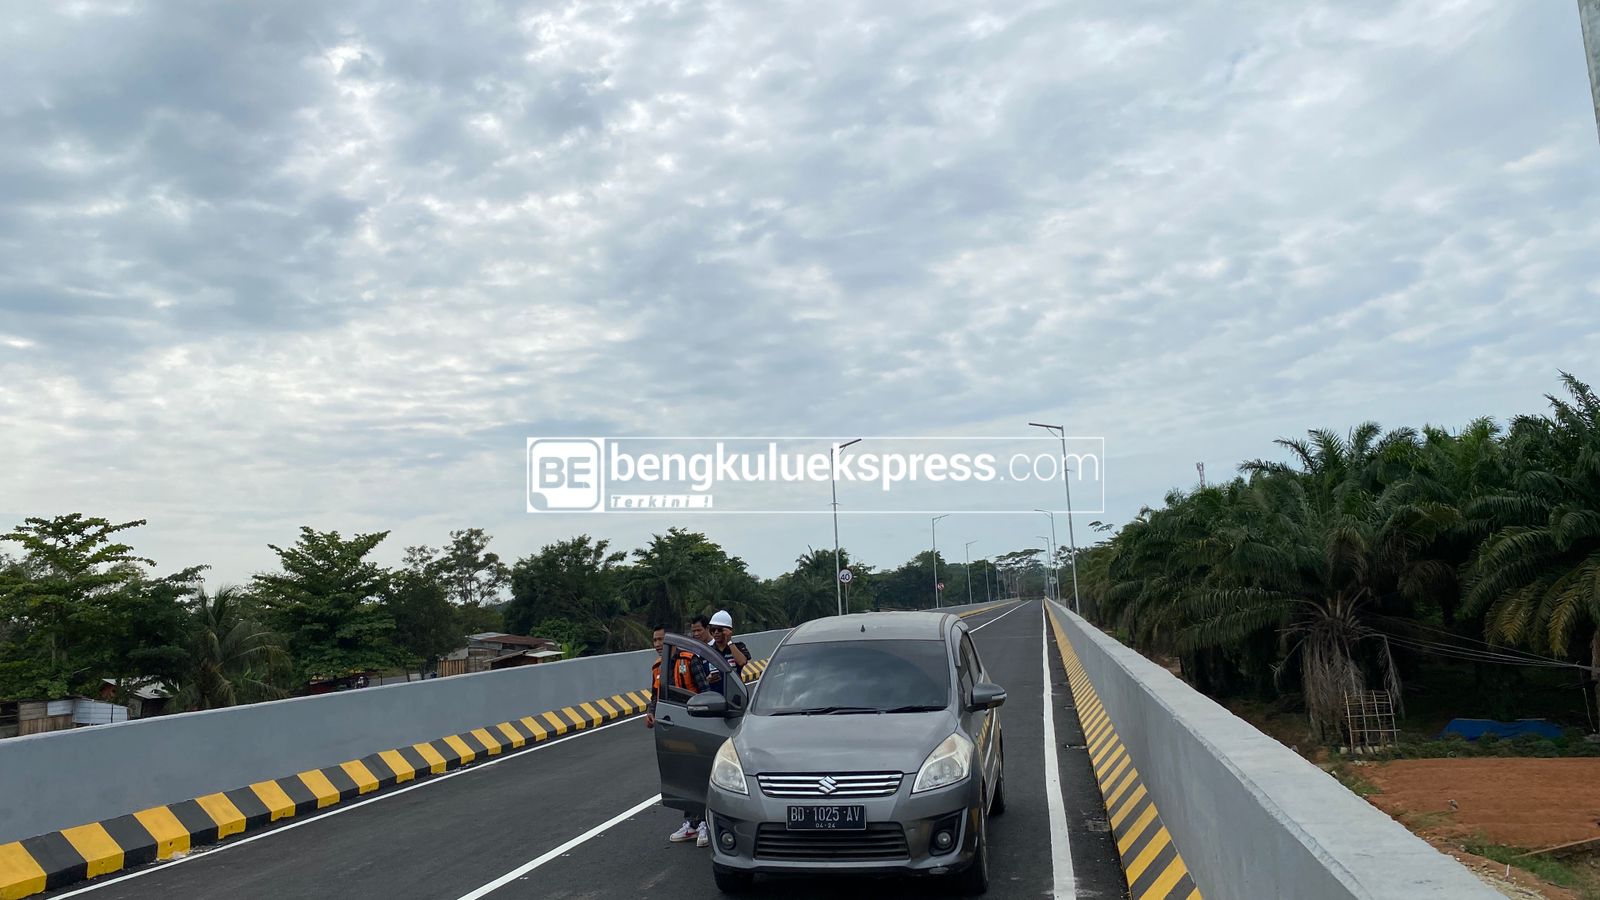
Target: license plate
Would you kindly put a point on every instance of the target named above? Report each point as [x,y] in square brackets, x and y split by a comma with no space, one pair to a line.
[827,818]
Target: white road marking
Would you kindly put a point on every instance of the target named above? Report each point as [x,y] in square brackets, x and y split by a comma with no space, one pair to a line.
[548,855]
[1060,846]
[203,852]
[1001,616]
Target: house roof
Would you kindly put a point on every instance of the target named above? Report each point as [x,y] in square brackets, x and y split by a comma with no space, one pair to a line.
[514,640]
[146,690]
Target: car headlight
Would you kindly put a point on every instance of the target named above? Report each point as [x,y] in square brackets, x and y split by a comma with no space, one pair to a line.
[726,773]
[949,763]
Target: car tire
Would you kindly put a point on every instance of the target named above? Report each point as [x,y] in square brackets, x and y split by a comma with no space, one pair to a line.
[997,803]
[732,881]
[974,879]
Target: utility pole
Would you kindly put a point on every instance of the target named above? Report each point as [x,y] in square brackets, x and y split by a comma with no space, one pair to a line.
[833,482]
[1053,579]
[969,571]
[1049,571]
[1072,541]
[1589,20]
[934,527]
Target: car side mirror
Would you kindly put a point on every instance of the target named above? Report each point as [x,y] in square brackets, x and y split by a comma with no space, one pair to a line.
[708,705]
[987,696]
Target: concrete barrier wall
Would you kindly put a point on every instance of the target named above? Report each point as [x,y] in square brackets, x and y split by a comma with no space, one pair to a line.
[66,778]
[1252,818]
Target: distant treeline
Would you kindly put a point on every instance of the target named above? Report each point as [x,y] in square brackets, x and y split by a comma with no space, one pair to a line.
[79,606]
[1373,557]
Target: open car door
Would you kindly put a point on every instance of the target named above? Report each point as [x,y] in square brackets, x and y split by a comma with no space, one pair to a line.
[691,728]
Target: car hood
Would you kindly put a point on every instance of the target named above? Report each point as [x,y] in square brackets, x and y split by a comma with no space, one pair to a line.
[889,742]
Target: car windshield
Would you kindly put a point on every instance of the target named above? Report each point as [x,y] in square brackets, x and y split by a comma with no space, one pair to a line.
[852,677]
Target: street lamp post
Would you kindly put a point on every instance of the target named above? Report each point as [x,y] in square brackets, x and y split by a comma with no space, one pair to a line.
[988,581]
[1589,23]
[833,484]
[1052,551]
[934,527]
[1072,542]
[1050,545]
[969,571]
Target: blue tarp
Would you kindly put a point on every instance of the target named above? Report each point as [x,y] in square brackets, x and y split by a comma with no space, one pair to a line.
[1472,729]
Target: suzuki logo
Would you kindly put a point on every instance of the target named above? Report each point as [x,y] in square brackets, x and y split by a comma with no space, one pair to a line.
[827,785]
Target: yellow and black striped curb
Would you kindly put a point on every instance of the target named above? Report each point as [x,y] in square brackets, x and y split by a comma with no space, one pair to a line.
[60,858]
[1150,860]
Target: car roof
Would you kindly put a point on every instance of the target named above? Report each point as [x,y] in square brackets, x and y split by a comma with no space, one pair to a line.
[914,626]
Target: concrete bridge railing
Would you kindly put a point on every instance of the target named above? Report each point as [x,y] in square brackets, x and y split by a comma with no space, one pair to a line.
[1251,817]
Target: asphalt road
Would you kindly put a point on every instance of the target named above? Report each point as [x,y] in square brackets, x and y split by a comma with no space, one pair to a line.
[573,819]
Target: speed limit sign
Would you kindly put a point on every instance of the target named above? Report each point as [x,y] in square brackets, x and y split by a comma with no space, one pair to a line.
[845,575]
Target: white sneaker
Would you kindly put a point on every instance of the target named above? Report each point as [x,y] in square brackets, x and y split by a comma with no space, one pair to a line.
[704,838]
[685,832]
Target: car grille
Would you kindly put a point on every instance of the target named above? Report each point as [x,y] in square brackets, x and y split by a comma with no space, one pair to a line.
[853,785]
[881,840]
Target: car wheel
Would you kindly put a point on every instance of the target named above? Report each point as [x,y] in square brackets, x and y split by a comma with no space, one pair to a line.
[997,803]
[974,879]
[732,881]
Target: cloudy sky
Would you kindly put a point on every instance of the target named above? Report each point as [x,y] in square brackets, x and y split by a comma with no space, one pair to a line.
[272,264]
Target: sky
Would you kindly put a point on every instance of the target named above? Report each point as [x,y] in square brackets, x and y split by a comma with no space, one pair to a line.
[265,265]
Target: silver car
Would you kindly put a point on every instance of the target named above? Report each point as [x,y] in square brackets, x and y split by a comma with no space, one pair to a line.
[872,746]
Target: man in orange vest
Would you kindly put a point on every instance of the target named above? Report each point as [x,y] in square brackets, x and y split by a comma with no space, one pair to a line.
[687,673]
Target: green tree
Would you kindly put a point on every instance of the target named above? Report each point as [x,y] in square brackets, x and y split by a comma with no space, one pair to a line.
[579,582]
[474,579]
[426,626]
[807,591]
[1538,575]
[750,602]
[326,604]
[233,658]
[141,631]
[666,570]
[77,607]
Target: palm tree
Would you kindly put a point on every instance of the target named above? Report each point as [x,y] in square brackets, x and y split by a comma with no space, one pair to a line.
[666,569]
[1538,575]
[1315,576]
[234,657]
[807,592]
[745,598]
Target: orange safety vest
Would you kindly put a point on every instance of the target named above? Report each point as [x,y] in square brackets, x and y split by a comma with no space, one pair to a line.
[681,675]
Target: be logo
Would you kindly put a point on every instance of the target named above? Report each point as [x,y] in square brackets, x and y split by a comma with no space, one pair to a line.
[565,474]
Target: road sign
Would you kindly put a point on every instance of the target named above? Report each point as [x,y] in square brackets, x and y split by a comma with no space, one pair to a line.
[845,575]
[941,585]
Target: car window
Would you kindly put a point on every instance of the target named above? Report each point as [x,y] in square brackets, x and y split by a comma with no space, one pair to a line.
[685,662]
[967,667]
[855,676]
[970,649]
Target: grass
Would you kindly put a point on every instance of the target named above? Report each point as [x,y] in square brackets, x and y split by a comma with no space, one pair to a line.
[1350,778]
[1552,870]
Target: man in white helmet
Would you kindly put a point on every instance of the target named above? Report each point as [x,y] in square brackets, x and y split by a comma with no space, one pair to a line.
[737,654]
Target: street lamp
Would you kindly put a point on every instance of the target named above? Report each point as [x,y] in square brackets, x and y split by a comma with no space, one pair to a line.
[1589,23]
[934,527]
[833,485]
[1052,546]
[969,571]
[1072,542]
